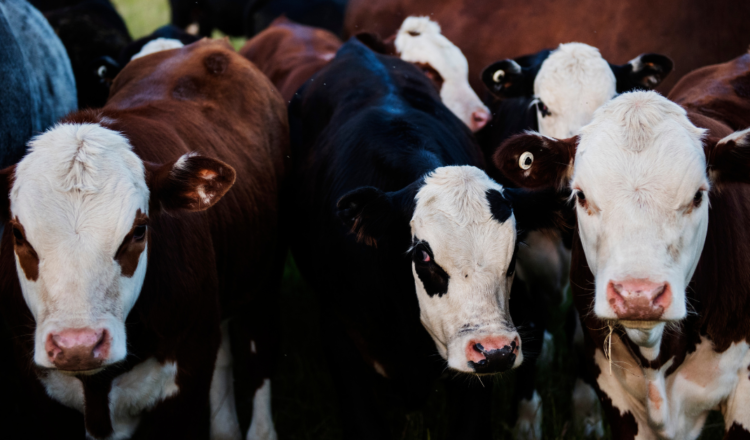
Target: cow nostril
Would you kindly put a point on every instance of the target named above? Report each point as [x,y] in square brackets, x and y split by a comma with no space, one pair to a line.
[618,288]
[478,348]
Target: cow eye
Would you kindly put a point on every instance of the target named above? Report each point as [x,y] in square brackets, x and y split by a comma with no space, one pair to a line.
[698,198]
[17,234]
[139,233]
[425,257]
[543,109]
[581,198]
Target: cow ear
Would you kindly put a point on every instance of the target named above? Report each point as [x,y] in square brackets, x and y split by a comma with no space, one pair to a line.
[533,161]
[373,215]
[728,159]
[191,183]
[506,79]
[644,72]
[7,175]
[544,209]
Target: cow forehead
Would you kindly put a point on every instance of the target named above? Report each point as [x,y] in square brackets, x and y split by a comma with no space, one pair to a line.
[640,141]
[574,73]
[78,181]
[453,213]
[430,47]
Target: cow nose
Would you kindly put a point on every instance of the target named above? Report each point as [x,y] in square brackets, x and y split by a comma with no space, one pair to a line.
[479,119]
[639,299]
[492,354]
[78,349]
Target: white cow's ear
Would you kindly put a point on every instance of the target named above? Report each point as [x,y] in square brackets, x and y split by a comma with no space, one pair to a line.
[728,159]
[191,183]
[6,182]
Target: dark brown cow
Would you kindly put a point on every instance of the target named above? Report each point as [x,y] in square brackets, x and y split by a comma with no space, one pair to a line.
[694,33]
[290,53]
[661,267]
[114,221]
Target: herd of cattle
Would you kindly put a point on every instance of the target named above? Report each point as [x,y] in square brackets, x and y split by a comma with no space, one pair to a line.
[439,186]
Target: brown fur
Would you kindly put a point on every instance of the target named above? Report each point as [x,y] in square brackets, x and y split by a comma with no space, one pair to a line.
[27,257]
[290,53]
[130,250]
[203,266]
[552,165]
[693,33]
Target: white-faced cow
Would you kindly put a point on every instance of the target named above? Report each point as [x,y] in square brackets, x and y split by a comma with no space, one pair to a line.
[124,251]
[660,261]
[409,245]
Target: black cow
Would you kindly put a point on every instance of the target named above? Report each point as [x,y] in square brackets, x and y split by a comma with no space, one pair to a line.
[409,246]
[94,34]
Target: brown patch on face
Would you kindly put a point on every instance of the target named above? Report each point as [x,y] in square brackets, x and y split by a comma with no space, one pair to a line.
[432,74]
[27,256]
[132,245]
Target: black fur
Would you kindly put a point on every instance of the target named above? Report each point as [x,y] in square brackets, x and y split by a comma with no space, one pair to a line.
[654,68]
[434,278]
[500,207]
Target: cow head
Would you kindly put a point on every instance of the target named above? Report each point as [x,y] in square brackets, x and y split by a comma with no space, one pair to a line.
[79,208]
[419,41]
[569,83]
[462,250]
[639,176]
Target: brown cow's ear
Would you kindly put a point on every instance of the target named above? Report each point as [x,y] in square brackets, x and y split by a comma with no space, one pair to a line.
[728,159]
[191,183]
[533,161]
[7,176]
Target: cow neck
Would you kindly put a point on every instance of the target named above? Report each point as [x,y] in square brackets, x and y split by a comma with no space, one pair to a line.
[96,415]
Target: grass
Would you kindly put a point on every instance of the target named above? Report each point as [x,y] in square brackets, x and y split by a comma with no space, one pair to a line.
[304,402]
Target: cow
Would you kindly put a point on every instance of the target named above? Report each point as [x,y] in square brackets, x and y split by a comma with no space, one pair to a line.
[693,33]
[290,53]
[409,245]
[36,77]
[93,34]
[165,37]
[659,264]
[123,218]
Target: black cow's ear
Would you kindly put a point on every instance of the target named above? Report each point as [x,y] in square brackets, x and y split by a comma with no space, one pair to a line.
[191,183]
[533,161]
[373,215]
[506,79]
[644,72]
[7,175]
[545,209]
[728,159]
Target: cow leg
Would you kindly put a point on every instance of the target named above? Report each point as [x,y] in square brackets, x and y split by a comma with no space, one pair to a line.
[469,408]
[224,424]
[587,413]
[261,426]
[529,418]
[736,410]
[353,378]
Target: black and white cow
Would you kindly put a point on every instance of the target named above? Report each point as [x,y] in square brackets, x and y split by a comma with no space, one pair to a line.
[409,245]
[35,76]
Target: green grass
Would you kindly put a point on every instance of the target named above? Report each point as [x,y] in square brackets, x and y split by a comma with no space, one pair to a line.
[304,402]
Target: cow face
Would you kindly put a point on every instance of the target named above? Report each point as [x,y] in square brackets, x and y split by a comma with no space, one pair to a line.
[419,41]
[463,241]
[571,82]
[79,215]
[640,183]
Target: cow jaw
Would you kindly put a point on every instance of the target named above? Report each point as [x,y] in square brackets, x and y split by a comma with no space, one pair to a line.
[640,185]
[77,200]
[571,84]
[464,241]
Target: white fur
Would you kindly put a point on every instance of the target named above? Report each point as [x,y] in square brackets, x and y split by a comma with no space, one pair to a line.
[158,45]
[76,194]
[138,390]
[676,406]
[529,423]
[639,163]
[431,47]
[572,82]
[453,215]
[261,425]
[224,424]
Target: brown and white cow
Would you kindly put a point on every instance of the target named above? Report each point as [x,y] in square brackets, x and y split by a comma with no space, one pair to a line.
[660,262]
[693,33]
[124,249]
[290,53]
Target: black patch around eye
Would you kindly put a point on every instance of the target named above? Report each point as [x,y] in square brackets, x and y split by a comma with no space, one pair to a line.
[500,207]
[434,279]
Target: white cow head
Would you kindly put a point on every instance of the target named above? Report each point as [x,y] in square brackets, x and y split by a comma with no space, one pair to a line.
[638,173]
[568,84]
[419,41]
[463,240]
[80,202]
